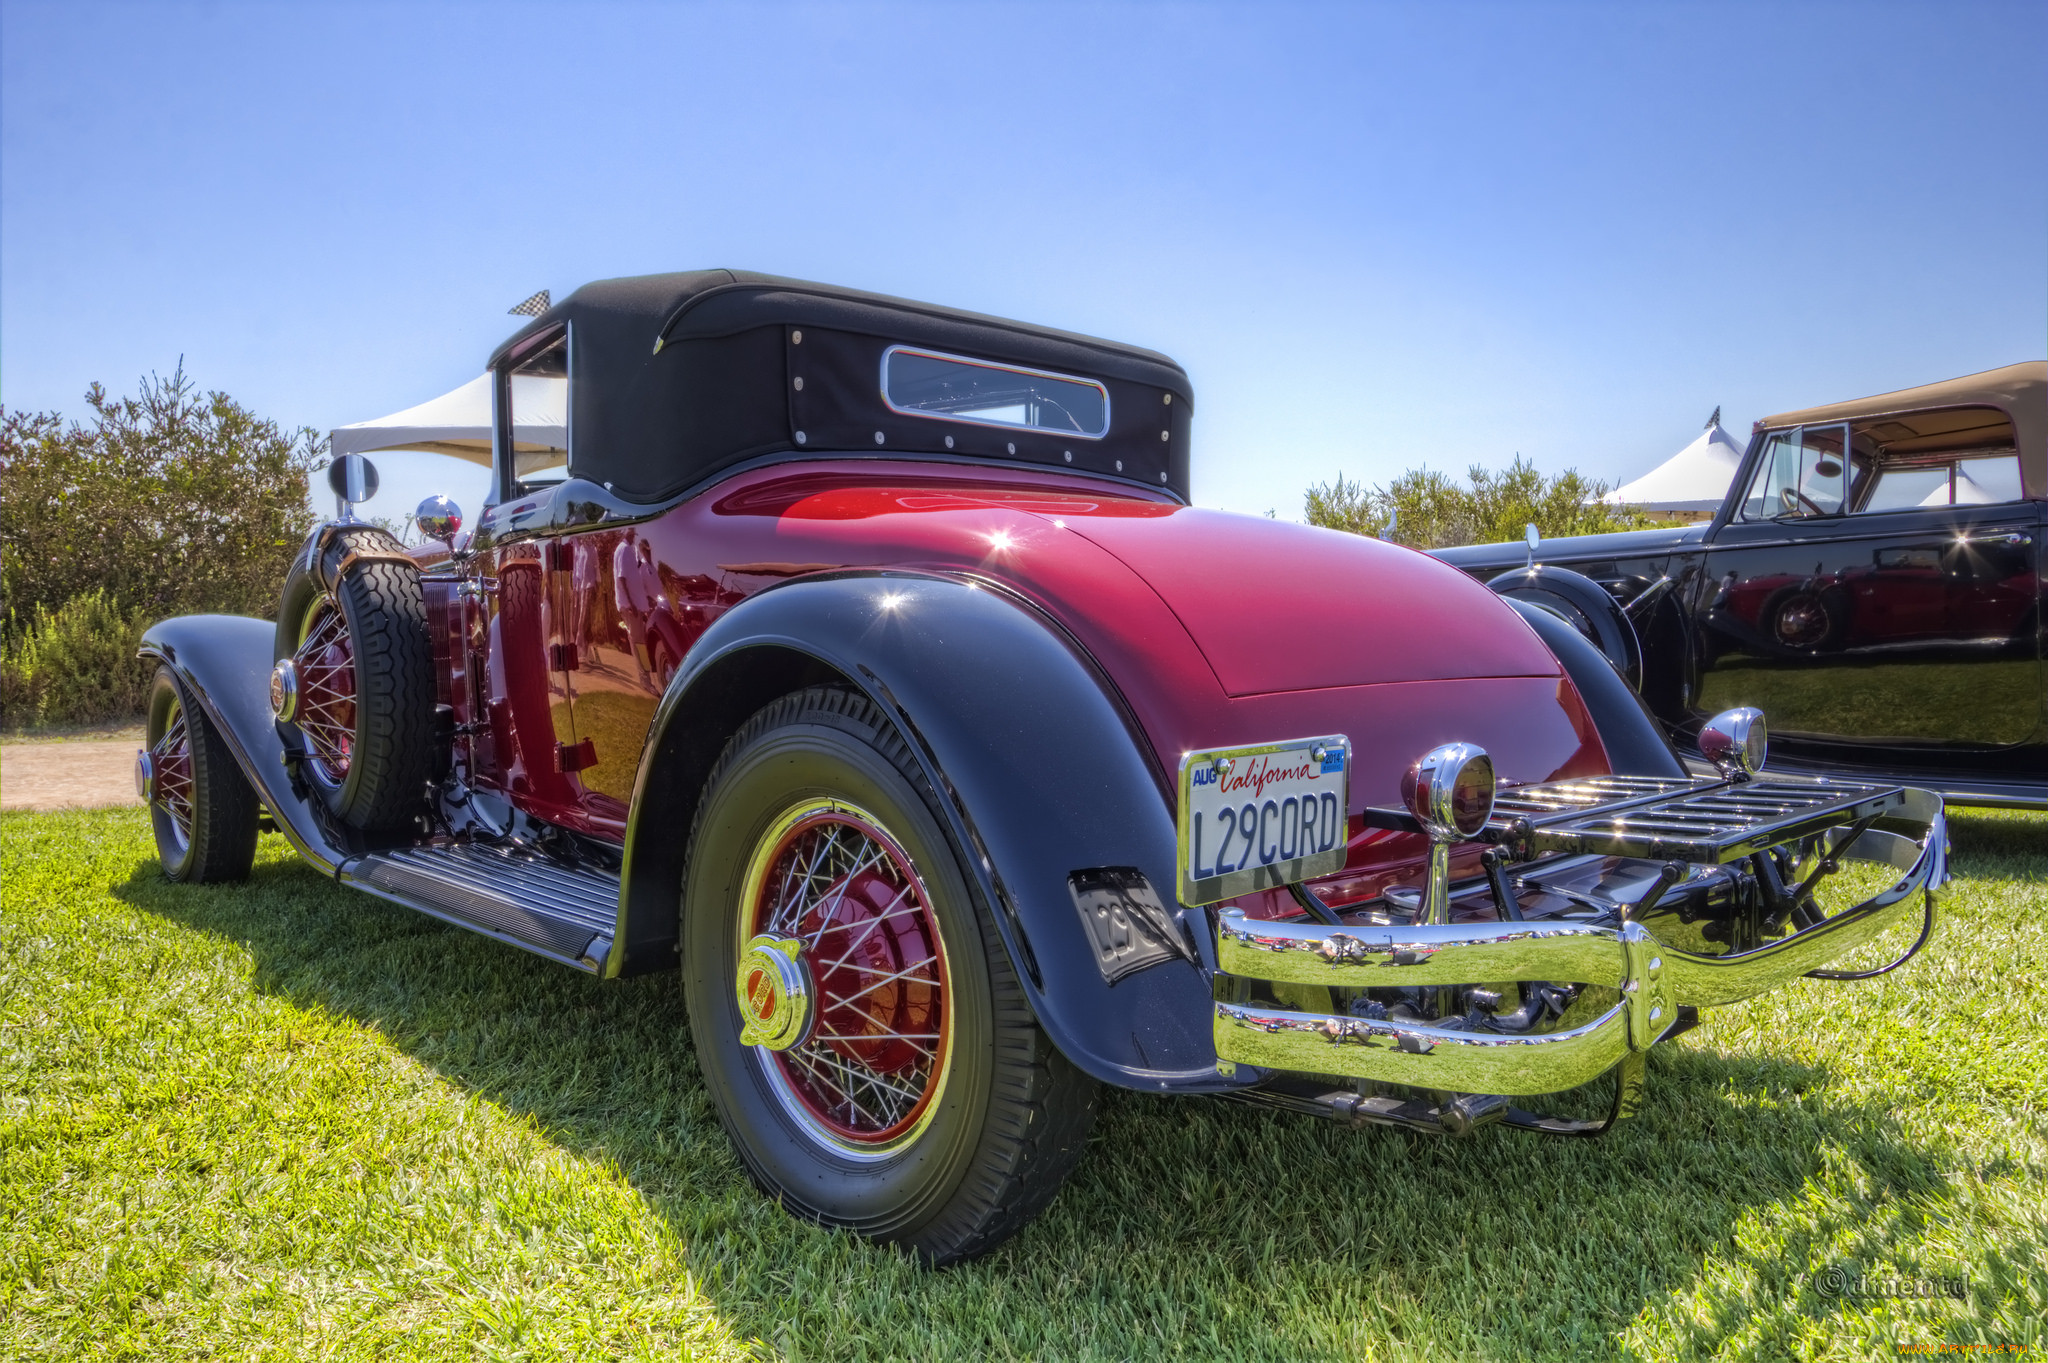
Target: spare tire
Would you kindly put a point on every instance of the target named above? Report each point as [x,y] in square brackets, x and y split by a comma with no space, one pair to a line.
[1583,604]
[1636,743]
[354,682]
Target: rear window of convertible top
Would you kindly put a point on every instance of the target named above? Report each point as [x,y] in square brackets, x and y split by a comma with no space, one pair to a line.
[955,388]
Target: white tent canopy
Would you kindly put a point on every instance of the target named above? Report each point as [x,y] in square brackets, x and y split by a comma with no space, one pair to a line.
[1694,480]
[459,423]
[1969,492]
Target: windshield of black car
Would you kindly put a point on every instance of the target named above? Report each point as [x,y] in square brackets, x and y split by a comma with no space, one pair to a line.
[1802,472]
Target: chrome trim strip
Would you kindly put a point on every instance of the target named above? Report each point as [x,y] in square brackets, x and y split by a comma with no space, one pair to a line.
[1425,954]
[1425,1057]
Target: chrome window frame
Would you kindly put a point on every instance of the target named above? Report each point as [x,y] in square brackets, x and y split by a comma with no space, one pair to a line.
[1798,434]
[882,384]
[504,418]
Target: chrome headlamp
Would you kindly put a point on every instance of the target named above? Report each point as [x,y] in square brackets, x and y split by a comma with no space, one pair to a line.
[1736,741]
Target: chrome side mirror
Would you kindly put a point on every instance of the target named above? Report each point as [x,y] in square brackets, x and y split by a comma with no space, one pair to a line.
[353,479]
[1450,793]
[439,518]
[1533,537]
[1736,741]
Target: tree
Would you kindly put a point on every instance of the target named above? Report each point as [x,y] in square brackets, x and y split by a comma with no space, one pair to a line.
[169,501]
[1428,510]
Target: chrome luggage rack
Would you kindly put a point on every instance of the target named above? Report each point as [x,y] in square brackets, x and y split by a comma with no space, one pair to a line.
[1713,820]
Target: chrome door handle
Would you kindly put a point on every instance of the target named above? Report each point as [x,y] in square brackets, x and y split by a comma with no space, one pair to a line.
[2011,539]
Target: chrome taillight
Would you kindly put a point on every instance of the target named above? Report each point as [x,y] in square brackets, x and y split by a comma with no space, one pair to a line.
[1449,790]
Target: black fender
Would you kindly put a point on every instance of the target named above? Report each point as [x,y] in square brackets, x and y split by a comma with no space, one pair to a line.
[224,662]
[1636,743]
[1585,605]
[1039,768]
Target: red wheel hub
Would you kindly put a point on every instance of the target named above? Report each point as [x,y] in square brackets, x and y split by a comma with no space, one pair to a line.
[874,1050]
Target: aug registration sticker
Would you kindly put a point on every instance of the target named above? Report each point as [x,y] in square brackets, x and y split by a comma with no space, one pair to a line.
[1261,817]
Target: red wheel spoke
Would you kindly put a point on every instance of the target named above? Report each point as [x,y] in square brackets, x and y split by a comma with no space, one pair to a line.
[327,692]
[870,1065]
[854,945]
[171,756]
[847,1000]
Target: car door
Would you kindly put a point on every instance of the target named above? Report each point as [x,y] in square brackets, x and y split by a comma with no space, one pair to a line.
[1851,619]
[526,696]
[604,667]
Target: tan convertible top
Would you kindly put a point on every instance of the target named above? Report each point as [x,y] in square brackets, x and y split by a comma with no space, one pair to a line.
[2018,390]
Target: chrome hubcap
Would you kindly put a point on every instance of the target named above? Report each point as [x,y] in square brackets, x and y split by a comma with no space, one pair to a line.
[774,993]
[284,689]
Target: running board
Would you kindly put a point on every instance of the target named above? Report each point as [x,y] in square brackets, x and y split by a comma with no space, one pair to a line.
[566,914]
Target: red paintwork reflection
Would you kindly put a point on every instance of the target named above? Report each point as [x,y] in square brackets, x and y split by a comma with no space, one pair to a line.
[1904,595]
[1209,648]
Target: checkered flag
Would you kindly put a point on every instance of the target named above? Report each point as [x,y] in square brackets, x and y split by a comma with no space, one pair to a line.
[532,307]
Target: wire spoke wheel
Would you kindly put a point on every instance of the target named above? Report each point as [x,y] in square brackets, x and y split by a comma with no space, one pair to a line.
[171,758]
[201,809]
[326,664]
[864,1037]
[831,885]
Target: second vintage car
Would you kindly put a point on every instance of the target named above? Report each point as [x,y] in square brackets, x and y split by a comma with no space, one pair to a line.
[863,664]
[1874,581]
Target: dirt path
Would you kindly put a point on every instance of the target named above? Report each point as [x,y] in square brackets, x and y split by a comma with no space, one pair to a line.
[70,774]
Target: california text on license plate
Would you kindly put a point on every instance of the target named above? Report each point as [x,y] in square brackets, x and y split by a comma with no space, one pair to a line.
[1259,817]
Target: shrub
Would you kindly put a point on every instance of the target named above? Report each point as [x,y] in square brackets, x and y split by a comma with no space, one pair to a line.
[1430,510]
[159,504]
[74,665]
[169,502]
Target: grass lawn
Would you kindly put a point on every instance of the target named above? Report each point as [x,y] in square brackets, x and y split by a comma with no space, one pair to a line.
[287,1120]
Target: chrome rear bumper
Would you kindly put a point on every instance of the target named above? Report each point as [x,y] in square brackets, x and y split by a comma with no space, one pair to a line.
[1652,980]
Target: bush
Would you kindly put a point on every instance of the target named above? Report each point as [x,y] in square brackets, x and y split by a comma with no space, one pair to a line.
[1429,510]
[169,502]
[161,504]
[75,665]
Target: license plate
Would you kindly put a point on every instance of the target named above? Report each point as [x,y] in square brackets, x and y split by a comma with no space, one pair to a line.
[1260,817]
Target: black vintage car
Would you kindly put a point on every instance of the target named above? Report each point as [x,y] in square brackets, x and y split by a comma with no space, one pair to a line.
[1873,583]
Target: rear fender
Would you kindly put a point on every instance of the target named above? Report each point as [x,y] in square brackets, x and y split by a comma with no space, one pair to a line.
[1040,774]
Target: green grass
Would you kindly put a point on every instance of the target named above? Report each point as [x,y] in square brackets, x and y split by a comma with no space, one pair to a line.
[287,1120]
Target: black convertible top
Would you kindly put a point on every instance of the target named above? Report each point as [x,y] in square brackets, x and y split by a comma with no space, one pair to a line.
[676,377]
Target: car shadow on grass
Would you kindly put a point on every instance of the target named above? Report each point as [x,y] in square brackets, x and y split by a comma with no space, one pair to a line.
[1192,1226]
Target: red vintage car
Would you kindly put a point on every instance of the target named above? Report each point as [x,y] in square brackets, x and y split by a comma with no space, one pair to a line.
[864,663]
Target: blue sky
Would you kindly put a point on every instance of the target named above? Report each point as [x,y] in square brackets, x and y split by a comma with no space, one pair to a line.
[1376,236]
